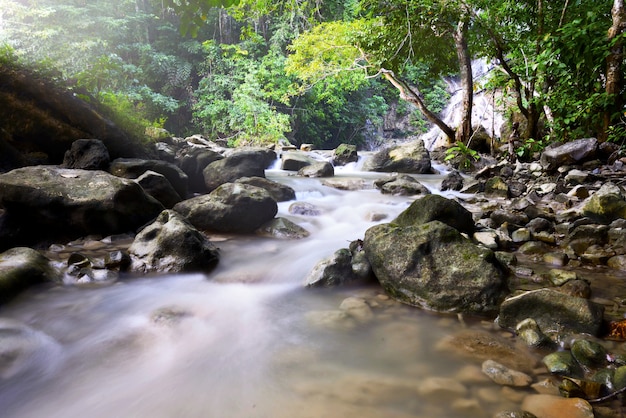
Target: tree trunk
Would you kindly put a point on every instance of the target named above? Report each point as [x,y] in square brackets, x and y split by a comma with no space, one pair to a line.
[464,131]
[411,96]
[614,60]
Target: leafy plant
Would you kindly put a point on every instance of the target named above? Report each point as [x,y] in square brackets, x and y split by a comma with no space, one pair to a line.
[463,154]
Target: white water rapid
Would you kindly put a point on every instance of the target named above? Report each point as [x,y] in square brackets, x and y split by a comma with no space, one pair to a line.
[245,341]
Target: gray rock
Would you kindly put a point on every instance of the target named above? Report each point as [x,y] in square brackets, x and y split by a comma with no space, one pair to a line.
[433,266]
[132,168]
[157,186]
[344,267]
[569,153]
[437,208]
[606,205]
[232,207]
[401,185]
[512,218]
[244,163]
[45,202]
[344,154]
[282,228]
[503,375]
[496,187]
[171,244]
[87,154]
[576,177]
[295,160]
[589,353]
[453,181]
[317,169]
[193,161]
[411,158]
[562,363]
[279,192]
[554,312]
[21,268]
[529,332]
[304,208]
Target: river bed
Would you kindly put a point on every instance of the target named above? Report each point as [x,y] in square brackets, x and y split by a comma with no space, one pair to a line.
[248,340]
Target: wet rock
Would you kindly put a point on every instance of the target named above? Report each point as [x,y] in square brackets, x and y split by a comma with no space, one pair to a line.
[619,378]
[117,260]
[540,225]
[478,346]
[294,160]
[617,262]
[562,363]
[87,154]
[345,183]
[503,375]
[548,406]
[232,207]
[193,161]
[606,205]
[44,202]
[343,267]
[521,235]
[496,187]
[556,259]
[576,288]
[157,186]
[331,319]
[132,168]
[534,248]
[169,315]
[487,238]
[554,312]
[317,169]
[344,154]
[410,158]
[512,218]
[401,185]
[529,332]
[21,268]
[433,266]
[514,414]
[453,181]
[571,152]
[171,244]
[436,208]
[282,228]
[357,308]
[278,191]
[559,277]
[244,163]
[589,353]
[304,208]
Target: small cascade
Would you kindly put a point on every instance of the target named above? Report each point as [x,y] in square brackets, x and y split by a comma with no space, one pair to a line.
[484,110]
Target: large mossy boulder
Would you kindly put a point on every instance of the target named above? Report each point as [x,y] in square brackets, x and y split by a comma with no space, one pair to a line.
[279,192]
[243,163]
[45,202]
[232,207]
[171,244]
[21,268]
[344,154]
[433,266]
[411,158]
[434,207]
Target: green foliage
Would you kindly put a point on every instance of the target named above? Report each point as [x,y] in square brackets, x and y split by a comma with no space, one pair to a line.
[464,155]
[529,148]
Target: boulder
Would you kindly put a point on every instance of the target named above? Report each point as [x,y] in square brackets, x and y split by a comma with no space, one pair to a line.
[401,185]
[606,205]
[157,186]
[496,187]
[345,266]
[569,153]
[87,154]
[232,207]
[437,208]
[294,160]
[132,168]
[317,169]
[279,192]
[344,154]
[266,155]
[553,311]
[453,181]
[433,266]
[282,228]
[171,244]
[411,158]
[245,163]
[193,161]
[45,202]
[21,268]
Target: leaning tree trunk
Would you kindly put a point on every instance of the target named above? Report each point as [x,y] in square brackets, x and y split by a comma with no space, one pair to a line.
[411,96]
[614,60]
[464,131]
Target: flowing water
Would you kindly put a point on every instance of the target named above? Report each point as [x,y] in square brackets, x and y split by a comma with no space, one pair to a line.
[246,340]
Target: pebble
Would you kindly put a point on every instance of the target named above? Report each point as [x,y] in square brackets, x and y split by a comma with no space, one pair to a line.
[502,375]
[549,406]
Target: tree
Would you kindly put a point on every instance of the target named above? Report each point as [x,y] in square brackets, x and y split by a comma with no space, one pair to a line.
[615,65]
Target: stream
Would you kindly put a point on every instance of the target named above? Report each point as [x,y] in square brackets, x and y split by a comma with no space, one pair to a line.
[248,339]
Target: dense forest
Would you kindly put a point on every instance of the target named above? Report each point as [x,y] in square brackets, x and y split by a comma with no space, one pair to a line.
[328,72]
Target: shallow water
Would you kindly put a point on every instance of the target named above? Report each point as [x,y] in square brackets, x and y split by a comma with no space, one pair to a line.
[247,340]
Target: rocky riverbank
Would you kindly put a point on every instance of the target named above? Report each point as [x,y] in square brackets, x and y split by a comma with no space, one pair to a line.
[92,219]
